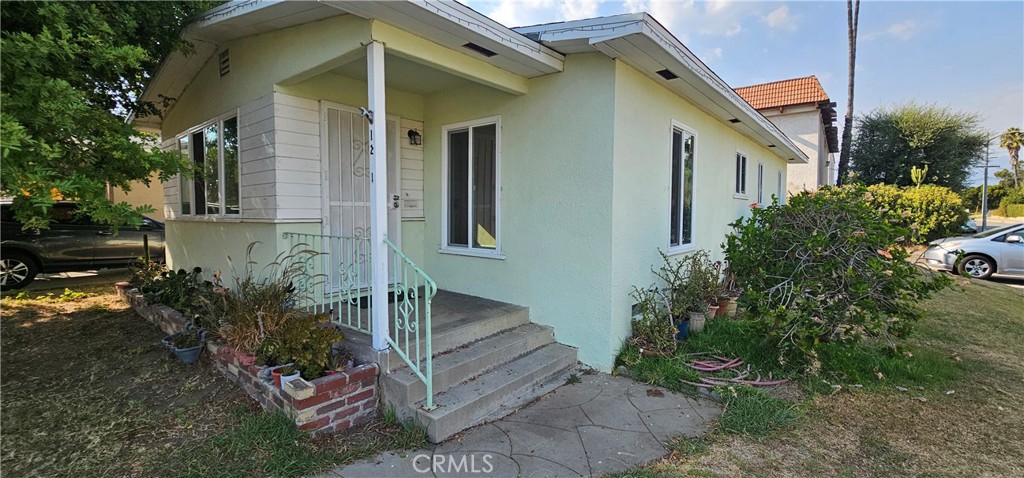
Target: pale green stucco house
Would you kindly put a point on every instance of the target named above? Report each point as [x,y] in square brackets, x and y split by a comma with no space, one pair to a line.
[583,147]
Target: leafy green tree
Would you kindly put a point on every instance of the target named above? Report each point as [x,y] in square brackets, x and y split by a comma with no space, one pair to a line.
[72,73]
[1012,140]
[892,141]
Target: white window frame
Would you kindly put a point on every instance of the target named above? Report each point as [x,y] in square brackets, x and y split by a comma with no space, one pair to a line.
[692,245]
[760,183]
[779,188]
[469,250]
[219,121]
[741,192]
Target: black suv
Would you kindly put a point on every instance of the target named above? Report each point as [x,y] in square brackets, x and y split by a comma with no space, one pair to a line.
[73,243]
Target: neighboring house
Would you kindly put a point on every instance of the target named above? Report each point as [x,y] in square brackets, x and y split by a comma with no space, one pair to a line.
[542,166]
[141,194]
[802,110]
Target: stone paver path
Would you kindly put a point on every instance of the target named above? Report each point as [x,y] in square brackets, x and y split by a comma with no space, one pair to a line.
[603,424]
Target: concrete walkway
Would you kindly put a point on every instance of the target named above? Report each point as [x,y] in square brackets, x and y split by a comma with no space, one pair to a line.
[603,424]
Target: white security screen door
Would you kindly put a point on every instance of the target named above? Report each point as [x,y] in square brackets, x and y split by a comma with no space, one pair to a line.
[347,189]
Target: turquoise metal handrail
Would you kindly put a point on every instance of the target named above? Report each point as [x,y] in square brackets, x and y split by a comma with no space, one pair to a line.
[412,287]
[342,268]
[343,288]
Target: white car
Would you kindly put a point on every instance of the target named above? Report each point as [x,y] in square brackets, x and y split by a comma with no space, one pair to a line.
[998,250]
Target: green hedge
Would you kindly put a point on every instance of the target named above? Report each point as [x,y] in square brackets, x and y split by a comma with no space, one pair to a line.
[937,211]
[1012,210]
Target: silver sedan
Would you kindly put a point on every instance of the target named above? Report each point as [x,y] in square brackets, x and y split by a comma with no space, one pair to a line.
[980,255]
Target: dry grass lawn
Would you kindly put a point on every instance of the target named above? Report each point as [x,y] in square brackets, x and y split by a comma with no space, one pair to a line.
[88,390]
[973,426]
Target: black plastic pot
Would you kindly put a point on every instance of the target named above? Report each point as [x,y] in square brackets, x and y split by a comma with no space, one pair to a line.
[189,354]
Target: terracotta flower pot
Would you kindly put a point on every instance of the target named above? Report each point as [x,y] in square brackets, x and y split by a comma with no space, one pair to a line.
[730,310]
[713,311]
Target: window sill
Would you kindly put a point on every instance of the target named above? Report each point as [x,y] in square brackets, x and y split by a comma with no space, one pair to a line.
[741,196]
[676,250]
[473,253]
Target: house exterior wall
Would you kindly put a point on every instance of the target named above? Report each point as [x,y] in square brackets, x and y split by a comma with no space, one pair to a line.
[261,61]
[644,115]
[556,175]
[803,125]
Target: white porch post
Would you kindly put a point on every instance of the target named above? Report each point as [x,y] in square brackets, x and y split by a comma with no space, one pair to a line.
[378,192]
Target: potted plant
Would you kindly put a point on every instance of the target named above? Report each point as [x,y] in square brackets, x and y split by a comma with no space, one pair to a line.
[277,373]
[287,374]
[700,289]
[730,293]
[187,345]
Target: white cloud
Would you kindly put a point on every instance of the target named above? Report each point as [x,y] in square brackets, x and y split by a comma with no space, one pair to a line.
[685,17]
[718,6]
[904,30]
[635,6]
[578,9]
[780,19]
[517,13]
[713,54]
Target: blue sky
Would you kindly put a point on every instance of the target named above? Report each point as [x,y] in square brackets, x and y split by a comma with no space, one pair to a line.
[966,55]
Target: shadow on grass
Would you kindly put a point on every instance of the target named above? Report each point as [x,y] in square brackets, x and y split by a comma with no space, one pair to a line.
[89,390]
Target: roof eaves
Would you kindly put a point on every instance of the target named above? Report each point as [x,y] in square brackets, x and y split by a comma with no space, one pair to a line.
[686,58]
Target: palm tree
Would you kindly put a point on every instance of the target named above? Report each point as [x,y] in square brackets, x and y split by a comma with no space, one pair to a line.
[852,15]
[1011,140]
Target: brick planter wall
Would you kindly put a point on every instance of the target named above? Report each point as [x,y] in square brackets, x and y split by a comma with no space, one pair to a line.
[330,403]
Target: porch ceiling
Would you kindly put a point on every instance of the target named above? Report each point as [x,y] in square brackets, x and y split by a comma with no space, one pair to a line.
[405,75]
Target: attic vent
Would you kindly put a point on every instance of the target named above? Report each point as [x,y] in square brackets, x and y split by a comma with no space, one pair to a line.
[479,49]
[734,121]
[225,63]
[668,75]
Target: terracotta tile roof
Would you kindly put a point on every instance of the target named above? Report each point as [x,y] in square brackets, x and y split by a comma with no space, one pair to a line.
[796,91]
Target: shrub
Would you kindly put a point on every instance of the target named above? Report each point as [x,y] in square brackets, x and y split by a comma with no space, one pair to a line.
[262,301]
[692,282]
[142,274]
[180,290]
[827,267]
[653,329]
[930,211]
[1013,210]
[307,342]
[1012,203]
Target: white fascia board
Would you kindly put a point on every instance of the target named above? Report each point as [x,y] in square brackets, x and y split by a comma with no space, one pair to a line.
[686,59]
[615,24]
[598,32]
[482,24]
[445,21]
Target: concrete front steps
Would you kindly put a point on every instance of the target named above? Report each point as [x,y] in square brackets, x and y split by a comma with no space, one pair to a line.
[489,360]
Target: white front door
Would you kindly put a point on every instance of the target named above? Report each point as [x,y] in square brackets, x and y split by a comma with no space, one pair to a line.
[346,184]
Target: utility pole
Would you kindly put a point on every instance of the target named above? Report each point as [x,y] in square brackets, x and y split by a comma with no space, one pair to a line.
[984,185]
[984,191]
